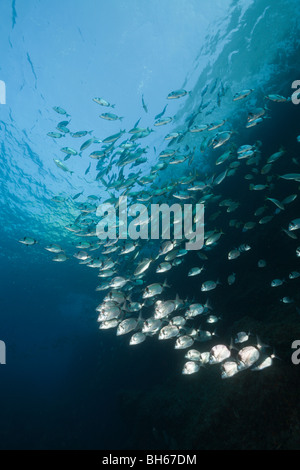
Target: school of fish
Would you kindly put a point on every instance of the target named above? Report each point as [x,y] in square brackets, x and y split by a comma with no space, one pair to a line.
[131,305]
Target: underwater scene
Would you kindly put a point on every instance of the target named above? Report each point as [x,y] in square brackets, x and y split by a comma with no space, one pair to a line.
[150,224]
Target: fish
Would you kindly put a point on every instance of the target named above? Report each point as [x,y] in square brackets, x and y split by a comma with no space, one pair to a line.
[177,94]
[195,271]
[212,319]
[229,369]
[60,110]
[137,338]
[28,241]
[190,367]
[221,138]
[129,247]
[289,199]
[184,342]
[163,267]
[287,300]
[266,219]
[126,326]
[53,248]
[294,275]
[78,134]
[55,135]
[88,169]
[108,324]
[277,282]
[142,266]
[77,195]
[178,321]
[144,105]
[231,279]
[151,325]
[63,129]
[219,353]
[154,289]
[86,144]
[277,98]
[160,115]
[275,156]
[164,308]
[82,255]
[193,355]
[294,224]
[256,114]
[214,238]
[163,121]
[60,258]
[168,332]
[69,151]
[257,187]
[223,157]
[247,356]
[114,137]
[62,166]
[195,310]
[241,337]
[267,362]
[242,94]
[216,125]
[209,285]
[111,117]
[198,128]
[276,202]
[233,254]
[103,102]
[291,176]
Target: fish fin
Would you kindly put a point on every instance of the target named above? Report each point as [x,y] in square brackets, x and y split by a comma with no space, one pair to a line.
[178,299]
[197,339]
[165,284]
[260,344]
[274,355]
[140,317]
[232,346]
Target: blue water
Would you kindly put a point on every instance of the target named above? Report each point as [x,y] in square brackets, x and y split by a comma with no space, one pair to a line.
[66,385]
